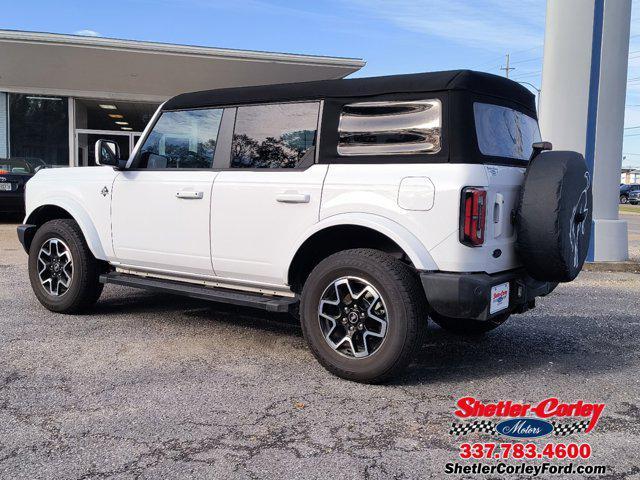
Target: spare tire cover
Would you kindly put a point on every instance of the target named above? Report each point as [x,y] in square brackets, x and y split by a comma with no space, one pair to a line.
[553,221]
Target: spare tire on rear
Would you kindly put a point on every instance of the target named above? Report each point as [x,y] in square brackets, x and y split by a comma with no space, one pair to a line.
[553,222]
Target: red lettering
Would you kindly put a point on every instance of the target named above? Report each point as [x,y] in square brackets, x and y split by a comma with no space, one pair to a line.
[466,407]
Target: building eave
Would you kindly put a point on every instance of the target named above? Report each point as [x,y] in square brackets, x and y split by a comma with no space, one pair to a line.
[173,49]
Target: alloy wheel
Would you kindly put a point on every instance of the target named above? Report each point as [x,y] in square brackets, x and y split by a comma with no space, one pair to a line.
[55,267]
[353,317]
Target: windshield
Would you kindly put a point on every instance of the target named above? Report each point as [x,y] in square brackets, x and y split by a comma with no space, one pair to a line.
[505,132]
[16,166]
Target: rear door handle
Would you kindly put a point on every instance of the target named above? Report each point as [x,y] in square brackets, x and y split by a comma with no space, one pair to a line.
[293,197]
[188,194]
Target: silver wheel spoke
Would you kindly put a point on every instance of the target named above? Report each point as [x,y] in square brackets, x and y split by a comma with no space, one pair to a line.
[353,317]
[55,267]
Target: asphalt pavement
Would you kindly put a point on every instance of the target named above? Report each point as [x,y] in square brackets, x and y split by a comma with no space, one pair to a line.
[633,226]
[156,386]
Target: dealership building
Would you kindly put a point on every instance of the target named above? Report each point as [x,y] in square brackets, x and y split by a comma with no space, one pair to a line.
[61,93]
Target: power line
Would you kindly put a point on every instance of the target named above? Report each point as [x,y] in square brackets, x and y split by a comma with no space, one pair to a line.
[527,60]
[524,75]
[526,50]
[496,63]
[493,62]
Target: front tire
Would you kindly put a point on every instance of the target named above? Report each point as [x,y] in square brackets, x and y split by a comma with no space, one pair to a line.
[623,199]
[363,314]
[467,326]
[62,270]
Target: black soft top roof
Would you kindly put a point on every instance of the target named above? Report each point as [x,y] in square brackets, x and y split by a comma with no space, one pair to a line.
[466,80]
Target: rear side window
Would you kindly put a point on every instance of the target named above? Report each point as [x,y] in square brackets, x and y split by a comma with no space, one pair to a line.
[182,139]
[390,128]
[505,132]
[275,136]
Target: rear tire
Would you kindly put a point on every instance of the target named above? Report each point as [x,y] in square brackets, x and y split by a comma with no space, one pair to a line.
[467,326]
[623,199]
[367,296]
[62,270]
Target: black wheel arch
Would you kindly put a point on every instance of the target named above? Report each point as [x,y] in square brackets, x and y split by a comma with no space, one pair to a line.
[334,239]
[36,219]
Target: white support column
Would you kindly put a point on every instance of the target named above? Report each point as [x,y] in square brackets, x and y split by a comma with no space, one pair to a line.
[582,102]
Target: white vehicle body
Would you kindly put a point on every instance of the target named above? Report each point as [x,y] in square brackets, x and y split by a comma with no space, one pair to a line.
[243,229]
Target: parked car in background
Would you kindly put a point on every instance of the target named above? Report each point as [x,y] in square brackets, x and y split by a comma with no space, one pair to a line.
[634,197]
[14,174]
[626,190]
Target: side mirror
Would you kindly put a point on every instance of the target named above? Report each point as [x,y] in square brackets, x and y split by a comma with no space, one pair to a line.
[539,147]
[107,153]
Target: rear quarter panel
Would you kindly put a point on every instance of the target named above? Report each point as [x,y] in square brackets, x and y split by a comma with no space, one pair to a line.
[375,188]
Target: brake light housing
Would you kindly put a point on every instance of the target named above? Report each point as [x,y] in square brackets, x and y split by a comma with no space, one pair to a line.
[473,212]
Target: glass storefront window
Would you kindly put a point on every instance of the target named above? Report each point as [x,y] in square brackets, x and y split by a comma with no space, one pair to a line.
[103,115]
[87,142]
[39,128]
[120,121]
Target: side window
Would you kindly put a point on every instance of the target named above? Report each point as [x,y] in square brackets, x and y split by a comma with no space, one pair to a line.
[390,128]
[182,139]
[275,136]
[505,132]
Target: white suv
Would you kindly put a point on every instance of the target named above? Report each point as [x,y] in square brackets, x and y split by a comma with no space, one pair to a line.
[365,206]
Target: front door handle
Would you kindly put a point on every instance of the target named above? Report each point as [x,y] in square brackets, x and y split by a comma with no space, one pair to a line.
[293,197]
[188,194]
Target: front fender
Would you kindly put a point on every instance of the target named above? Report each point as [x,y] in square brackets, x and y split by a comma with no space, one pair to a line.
[408,242]
[83,219]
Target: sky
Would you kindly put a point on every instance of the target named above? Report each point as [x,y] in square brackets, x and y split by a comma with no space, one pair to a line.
[393,36]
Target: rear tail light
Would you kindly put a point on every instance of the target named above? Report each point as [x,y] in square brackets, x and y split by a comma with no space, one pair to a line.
[472,216]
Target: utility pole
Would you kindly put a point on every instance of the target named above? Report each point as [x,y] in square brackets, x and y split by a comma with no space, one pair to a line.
[507,69]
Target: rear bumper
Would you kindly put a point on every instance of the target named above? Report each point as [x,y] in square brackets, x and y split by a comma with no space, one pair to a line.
[467,295]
